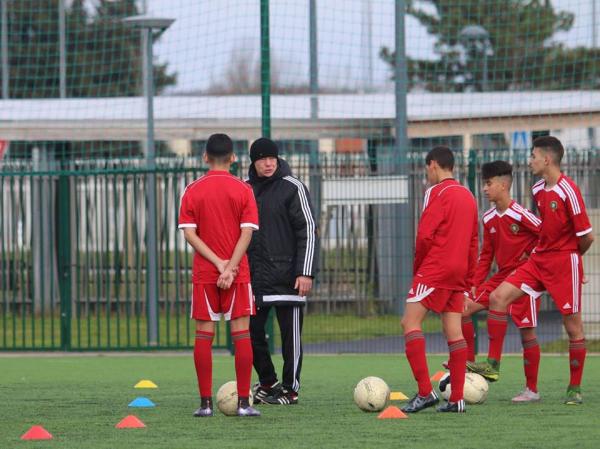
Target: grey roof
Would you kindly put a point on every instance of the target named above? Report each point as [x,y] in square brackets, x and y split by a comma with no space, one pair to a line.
[32,118]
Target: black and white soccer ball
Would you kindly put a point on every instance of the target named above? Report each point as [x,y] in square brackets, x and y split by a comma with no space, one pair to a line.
[475,390]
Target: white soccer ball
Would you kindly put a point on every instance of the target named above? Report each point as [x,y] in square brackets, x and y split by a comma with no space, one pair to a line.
[372,394]
[227,398]
[475,390]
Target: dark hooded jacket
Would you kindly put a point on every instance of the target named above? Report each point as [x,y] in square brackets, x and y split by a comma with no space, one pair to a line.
[285,246]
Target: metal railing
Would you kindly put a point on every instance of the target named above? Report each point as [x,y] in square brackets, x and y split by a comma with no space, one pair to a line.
[73,254]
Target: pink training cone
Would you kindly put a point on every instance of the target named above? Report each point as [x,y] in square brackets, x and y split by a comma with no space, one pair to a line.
[36,433]
[130,422]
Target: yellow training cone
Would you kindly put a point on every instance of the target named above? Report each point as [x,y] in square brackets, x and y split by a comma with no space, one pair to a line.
[145,384]
[398,396]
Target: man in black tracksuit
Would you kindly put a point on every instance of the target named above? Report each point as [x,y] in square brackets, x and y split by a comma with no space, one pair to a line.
[283,260]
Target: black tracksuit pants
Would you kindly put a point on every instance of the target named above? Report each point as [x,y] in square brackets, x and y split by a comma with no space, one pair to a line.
[290,320]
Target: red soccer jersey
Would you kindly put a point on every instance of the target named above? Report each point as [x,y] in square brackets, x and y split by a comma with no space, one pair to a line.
[446,246]
[218,205]
[563,214]
[506,237]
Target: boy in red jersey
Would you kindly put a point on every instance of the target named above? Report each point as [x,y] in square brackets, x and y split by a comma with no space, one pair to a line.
[510,233]
[218,215]
[555,264]
[445,260]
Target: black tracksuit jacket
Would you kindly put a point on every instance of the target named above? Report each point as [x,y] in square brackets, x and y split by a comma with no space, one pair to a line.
[286,245]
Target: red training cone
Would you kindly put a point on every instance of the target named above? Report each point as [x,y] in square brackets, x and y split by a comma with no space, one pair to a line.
[36,433]
[130,422]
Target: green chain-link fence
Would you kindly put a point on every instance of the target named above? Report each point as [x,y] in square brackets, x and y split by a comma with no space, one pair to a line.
[351,114]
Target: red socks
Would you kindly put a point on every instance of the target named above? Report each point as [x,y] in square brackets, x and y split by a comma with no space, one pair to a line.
[414,343]
[497,323]
[457,364]
[531,362]
[468,332]
[203,362]
[577,353]
[243,361]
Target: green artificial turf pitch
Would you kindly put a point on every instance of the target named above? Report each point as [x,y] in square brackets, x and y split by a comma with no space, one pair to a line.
[79,399]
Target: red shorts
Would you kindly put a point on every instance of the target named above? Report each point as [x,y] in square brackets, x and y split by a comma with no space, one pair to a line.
[523,311]
[209,302]
[560,274]
[436,299]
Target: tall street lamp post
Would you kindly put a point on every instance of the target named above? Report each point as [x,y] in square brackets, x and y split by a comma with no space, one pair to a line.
[147,25]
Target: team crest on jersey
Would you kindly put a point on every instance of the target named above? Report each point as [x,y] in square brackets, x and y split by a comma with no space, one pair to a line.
[553,205]
[514,228]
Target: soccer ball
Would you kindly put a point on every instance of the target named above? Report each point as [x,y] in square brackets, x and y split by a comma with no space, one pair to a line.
[227,398]
[475,390]
[372,394]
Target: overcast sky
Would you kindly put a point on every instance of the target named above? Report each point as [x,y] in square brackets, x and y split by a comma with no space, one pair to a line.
[199,45]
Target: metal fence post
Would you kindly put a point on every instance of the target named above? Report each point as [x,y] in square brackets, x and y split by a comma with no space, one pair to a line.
[64,259]
[313,59]
[4,48]
[265,89]
[315,165]
[147,25]
[472,179]
[400,221]
[265,69]
[151,232]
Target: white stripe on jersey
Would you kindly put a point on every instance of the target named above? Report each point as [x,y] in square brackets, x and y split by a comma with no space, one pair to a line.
[530,216]
[489,214]
[560,191]
[426,198]
[572,196]
[538,186]
[513,214]
[587,231]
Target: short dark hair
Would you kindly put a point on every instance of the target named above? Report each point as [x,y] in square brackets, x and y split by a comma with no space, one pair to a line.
[496,168]
[442,155]
[551,145]
[219,147]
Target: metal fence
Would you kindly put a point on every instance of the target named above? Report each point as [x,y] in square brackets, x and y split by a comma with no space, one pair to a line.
[73,255]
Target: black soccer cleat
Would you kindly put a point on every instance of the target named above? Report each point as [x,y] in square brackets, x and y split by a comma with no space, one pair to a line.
[282,397]
[453,407]
[418,403]
[261,392]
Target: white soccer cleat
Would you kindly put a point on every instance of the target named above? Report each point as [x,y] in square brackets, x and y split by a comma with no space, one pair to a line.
[526,396]
[247,411]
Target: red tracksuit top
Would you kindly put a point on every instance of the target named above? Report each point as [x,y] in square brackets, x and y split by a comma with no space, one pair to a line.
[446,245]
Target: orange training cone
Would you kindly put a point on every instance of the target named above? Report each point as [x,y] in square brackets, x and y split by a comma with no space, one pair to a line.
[392,412]
[437,376]
[130,422]
[36,433]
